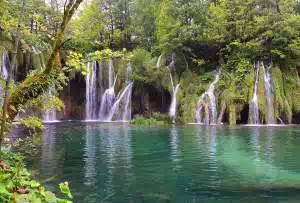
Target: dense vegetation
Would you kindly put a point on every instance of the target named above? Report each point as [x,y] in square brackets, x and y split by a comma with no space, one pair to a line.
[17,186]
[47,46]
[201,35]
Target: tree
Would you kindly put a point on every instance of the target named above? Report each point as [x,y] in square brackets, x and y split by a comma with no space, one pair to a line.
[38,82]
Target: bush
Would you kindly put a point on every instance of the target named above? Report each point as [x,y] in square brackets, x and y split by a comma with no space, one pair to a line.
[32,124]
[17,186]
[142,121]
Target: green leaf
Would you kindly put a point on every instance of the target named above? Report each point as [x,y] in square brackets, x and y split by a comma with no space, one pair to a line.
[64,188]
[34,184]
[3,190]
[50,197]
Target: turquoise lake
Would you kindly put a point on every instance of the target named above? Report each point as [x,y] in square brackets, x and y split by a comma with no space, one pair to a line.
[110,162]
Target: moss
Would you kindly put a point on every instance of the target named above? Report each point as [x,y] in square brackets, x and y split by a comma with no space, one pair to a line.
[278,92]
[188,108]
[249,81]
[191,88]
[292,89]
[288,111]
[261,96]
[286,94]
[232,114]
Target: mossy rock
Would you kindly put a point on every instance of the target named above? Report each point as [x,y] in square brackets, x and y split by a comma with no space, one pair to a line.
[188,107]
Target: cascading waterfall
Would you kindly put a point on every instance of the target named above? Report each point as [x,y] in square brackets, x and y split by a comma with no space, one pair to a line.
[173,109]
[158,63]
[210,109]
[120,108]
[4,72]
[108,106]
[3,65]
[269,94]
[91,92]
[253,108]
[127,107]
[111,74]
[114,107]
[37,52]
[108,99]
[269,97]
[50,116]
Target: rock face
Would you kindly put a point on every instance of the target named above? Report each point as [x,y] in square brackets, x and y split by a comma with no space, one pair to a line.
[73,97]
[148,100]
[144,102]
[273,95]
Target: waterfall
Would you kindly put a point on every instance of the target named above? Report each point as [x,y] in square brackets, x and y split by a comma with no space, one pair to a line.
[159,61]
[172,111]
[269,97]
[116,106]
[37,52]
[108,99]
[269,94]
[50,116]
[3,65]
[109,105]
[91,92]
[253,108]
[199,109]
[111,74]
[210,109]
[127,107]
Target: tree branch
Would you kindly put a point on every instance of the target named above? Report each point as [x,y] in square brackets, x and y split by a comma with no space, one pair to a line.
[35,85]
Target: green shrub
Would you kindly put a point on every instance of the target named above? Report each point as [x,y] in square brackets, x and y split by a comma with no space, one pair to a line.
[32,123]
[16,186]
[142,121]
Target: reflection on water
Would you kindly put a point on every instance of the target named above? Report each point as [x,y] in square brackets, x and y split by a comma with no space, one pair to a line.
[255,142]
[118,163]
[90,157]
[51,155]
[175,150]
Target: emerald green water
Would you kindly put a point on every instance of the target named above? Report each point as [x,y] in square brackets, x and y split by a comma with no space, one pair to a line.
[118,163]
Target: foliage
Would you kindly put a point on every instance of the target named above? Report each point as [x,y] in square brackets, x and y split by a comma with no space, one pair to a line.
[75,63]
[204,35]
[17,186]
[144,68]
[29,146]
[142,121]
[162,117]
[32,123]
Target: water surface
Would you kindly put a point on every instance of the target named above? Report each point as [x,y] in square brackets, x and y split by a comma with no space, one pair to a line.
[117,163]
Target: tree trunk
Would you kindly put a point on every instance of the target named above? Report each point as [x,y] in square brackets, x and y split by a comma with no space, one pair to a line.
[11,65]
[38,83]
